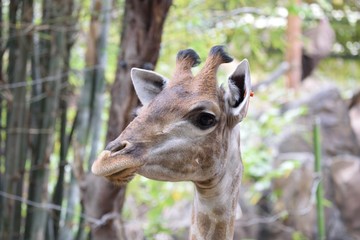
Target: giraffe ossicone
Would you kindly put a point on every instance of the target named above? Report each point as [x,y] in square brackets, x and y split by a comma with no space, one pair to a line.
[187,130]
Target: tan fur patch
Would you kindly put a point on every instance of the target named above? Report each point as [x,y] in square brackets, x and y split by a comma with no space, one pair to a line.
[220,231]
[218,211]
[203,223]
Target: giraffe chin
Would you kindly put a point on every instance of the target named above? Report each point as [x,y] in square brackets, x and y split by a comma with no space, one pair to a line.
[122,177]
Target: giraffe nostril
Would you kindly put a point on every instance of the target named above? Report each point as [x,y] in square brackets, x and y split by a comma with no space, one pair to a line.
[116,146]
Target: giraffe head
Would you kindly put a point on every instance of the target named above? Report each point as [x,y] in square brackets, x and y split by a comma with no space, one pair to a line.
[182,131]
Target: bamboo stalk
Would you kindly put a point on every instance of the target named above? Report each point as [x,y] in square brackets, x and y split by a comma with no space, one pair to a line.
[1,55]
[60,187]
[99,81]
[91,99]
[51,64]
[319,192]
[16,142]
[1,120]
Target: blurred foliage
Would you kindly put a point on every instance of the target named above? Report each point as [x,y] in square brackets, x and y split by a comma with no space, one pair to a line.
[253,30]
[155,197]
[259,148]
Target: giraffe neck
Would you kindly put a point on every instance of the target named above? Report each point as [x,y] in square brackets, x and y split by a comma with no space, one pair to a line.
[215,201]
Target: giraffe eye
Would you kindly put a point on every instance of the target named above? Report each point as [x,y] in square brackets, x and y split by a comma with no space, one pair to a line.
[204,120]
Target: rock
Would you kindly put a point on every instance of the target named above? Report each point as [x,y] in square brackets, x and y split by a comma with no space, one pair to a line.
[355,118]
[297,200]
[345,173]
[338,136]
[297,197]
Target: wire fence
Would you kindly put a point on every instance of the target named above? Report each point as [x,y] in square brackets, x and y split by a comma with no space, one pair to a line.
[49,78]
[245,223]
[49,206]
[51,24]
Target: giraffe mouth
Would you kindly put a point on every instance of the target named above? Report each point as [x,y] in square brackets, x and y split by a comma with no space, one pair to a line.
[122,177]
[116,168]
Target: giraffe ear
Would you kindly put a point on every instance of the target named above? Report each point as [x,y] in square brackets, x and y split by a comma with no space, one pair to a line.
[238,94]
[147,84]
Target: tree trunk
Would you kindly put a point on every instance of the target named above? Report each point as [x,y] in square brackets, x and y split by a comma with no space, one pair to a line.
[294,46]
[140,44]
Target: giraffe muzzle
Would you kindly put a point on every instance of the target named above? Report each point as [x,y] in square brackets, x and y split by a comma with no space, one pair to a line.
[117,162]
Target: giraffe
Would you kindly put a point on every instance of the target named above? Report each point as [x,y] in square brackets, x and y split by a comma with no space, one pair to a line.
[187,130]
